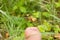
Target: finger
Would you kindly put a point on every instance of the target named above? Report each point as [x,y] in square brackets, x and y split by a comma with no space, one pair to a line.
[32,33]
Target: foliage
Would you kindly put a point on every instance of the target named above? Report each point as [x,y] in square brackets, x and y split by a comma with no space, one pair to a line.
[17,15]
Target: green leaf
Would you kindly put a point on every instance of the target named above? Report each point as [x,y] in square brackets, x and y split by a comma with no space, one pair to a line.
[57,5]
[15,7]
[29,24]
[56,28]
[36,14]
[23,9]
[46,14]
[47,25]
[41,28]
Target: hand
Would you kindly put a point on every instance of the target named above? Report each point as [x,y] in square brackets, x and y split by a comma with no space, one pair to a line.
[32,33]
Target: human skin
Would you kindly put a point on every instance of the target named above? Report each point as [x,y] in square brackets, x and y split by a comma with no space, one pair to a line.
[32,33]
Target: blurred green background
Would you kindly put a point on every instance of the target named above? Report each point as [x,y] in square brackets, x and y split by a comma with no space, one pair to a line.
[17,15]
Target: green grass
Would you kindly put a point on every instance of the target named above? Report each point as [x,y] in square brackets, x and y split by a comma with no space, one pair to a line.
[13,17]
